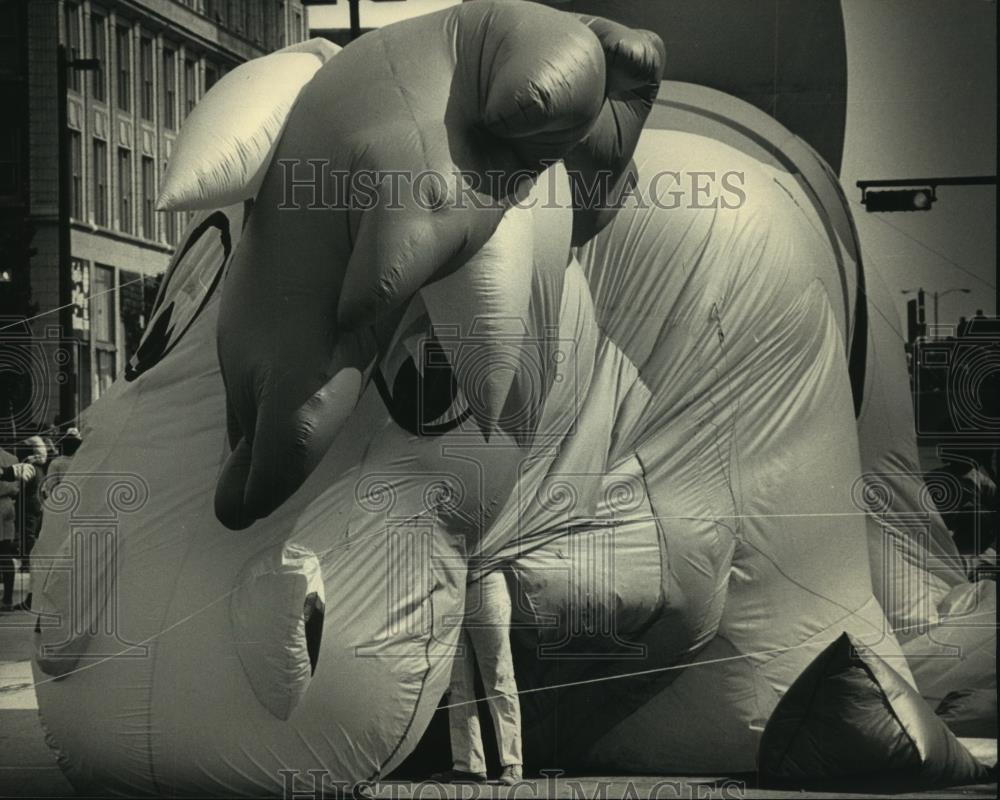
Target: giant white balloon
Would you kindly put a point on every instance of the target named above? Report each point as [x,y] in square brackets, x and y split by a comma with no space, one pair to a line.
[654,431]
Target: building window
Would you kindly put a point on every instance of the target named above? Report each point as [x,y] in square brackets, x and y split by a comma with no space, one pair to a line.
[124,190]
[146,77]
[104,372]
[80,277]
[10,39]
[169,220]
[190,85]
[131,310]
[124,55]
[103,328]
[211,76]
[170,227]
[71,19]
[99,50]
[76,173]
[100,182]
[10,166]
[297,32]
[169,88]
[102,305]
[148,199]
[271,26]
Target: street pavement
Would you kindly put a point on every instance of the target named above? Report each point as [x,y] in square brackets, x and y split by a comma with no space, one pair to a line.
[27,767]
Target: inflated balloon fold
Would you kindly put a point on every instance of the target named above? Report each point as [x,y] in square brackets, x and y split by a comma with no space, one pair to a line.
[850,716]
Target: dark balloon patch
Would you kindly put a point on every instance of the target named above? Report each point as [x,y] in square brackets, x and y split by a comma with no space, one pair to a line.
[187,287]
[419,399]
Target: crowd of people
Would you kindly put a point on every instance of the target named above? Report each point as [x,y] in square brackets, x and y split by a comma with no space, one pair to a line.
[29,471]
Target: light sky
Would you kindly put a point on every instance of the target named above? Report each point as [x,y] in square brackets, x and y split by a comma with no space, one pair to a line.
[921,103]
[372,15]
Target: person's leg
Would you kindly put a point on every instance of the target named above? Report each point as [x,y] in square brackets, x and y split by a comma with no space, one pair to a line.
[29,545]
[489,629]
[463,718]
[25,566]
[7,573]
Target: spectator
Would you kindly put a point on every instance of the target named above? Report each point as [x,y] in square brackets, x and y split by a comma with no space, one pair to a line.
[29,501]
[19,476]
[10,487]
[59,465]
[51,451]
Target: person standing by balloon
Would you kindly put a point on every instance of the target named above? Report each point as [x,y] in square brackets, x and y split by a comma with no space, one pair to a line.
[485,640]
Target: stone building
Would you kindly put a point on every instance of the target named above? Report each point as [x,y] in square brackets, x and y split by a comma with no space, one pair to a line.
[154,61]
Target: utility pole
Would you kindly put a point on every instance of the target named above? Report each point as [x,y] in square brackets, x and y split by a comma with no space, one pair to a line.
[937,299]
[939,295]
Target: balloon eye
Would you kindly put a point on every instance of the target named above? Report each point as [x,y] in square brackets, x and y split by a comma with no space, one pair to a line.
[424,400]
[188,285]
[313,612]
[432,390]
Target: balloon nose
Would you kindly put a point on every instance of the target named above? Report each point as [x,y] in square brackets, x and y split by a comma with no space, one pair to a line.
[277,615]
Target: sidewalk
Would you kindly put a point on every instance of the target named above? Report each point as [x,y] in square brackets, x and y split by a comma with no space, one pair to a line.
[27,768]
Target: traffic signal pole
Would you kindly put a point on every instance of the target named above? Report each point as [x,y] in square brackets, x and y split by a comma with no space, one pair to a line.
[355,18]
[919,194]
[970,180]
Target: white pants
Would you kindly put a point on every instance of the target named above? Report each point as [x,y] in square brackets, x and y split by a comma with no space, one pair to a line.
[485,639]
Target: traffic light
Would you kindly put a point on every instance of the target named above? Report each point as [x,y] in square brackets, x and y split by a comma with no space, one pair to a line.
[16,252]
[916,325]
[899,200]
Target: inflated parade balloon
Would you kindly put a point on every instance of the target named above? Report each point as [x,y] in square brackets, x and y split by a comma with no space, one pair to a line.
[612,336]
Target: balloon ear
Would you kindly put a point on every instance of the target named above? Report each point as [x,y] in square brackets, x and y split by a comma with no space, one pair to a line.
[225,145]
[601,164]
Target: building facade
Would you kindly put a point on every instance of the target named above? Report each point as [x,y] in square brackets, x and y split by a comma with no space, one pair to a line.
[134,70]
